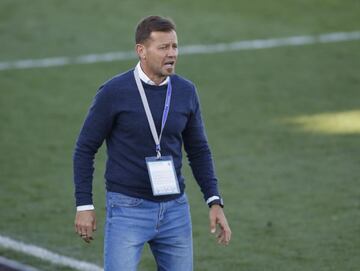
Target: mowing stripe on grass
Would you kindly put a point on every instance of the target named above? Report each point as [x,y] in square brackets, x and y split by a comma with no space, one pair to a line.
[47,255]
[185,50]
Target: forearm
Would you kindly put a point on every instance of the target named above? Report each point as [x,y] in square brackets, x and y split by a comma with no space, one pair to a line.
[204,173]
[96,127]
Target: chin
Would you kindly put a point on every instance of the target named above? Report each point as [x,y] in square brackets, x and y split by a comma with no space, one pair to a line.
[168,72]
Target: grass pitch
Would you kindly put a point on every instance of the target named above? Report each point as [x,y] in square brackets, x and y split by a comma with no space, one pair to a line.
[291,192]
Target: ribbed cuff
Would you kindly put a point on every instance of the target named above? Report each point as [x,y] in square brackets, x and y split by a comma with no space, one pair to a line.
[215,200]
[212,199]
[85,207]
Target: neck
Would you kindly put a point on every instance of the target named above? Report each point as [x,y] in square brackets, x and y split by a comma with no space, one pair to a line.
[153,77]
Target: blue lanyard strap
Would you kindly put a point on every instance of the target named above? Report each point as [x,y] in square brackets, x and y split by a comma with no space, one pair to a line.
[165,112]
[148,111]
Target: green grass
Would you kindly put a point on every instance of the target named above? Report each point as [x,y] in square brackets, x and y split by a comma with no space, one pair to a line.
[292,196]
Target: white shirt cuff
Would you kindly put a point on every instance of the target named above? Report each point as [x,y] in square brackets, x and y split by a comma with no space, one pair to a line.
[212,199]
[85,207]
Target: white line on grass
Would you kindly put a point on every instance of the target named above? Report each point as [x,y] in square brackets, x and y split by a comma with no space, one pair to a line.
[47,255]
[14,265]
[185,50]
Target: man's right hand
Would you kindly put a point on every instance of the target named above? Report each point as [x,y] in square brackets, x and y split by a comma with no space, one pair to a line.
[85,224]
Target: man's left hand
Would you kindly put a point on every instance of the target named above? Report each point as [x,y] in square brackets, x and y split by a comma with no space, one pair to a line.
[217,217]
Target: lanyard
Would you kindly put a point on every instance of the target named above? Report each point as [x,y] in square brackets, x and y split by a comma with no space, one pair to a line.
[148,111]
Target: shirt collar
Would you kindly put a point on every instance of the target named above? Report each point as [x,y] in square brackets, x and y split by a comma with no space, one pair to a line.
[146,79]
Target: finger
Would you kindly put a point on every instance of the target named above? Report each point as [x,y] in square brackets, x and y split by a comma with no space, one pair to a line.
[227,236]
[220,235]
[82,232]
[212,224]
[79,232]
[226,230]
[94,225]
[77,227]
[86,239]
[89,231]
[222,238]
[85,236]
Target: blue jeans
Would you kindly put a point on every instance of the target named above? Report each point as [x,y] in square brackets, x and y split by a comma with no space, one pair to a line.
[131,222]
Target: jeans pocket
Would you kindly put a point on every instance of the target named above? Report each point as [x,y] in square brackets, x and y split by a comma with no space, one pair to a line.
[121,200]
[182,199]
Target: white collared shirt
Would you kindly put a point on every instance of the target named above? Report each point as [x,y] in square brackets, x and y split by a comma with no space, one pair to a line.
[146,79]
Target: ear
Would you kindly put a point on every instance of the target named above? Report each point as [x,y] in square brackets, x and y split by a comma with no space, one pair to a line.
[140,50]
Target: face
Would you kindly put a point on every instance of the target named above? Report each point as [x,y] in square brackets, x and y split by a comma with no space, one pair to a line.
[158,55]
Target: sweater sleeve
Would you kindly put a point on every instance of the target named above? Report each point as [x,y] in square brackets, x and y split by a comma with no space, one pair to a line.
[96,127]
[198,152]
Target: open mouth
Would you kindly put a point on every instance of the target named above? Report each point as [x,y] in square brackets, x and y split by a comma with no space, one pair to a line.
[169,63]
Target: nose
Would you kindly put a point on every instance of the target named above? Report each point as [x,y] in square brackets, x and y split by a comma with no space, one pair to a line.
[172,52]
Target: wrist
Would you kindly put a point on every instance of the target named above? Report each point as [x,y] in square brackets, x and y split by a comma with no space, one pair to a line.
[218,202]
[81,208]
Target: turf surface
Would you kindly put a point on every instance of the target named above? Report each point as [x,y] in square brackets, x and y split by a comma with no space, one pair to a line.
[292,194]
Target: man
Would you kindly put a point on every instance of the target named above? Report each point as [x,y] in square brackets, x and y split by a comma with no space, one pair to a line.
[145,115]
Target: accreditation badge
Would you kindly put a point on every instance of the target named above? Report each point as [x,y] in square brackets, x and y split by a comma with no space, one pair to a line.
[162,175]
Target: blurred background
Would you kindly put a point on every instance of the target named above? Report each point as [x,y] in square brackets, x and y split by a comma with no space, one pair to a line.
[283,124]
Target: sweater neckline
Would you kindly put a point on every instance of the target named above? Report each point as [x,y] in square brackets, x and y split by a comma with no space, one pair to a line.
[154,87]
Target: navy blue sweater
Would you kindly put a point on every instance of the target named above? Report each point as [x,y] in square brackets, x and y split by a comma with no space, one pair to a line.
[117,116]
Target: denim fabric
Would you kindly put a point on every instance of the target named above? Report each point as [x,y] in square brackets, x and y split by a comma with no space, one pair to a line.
[132,222]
